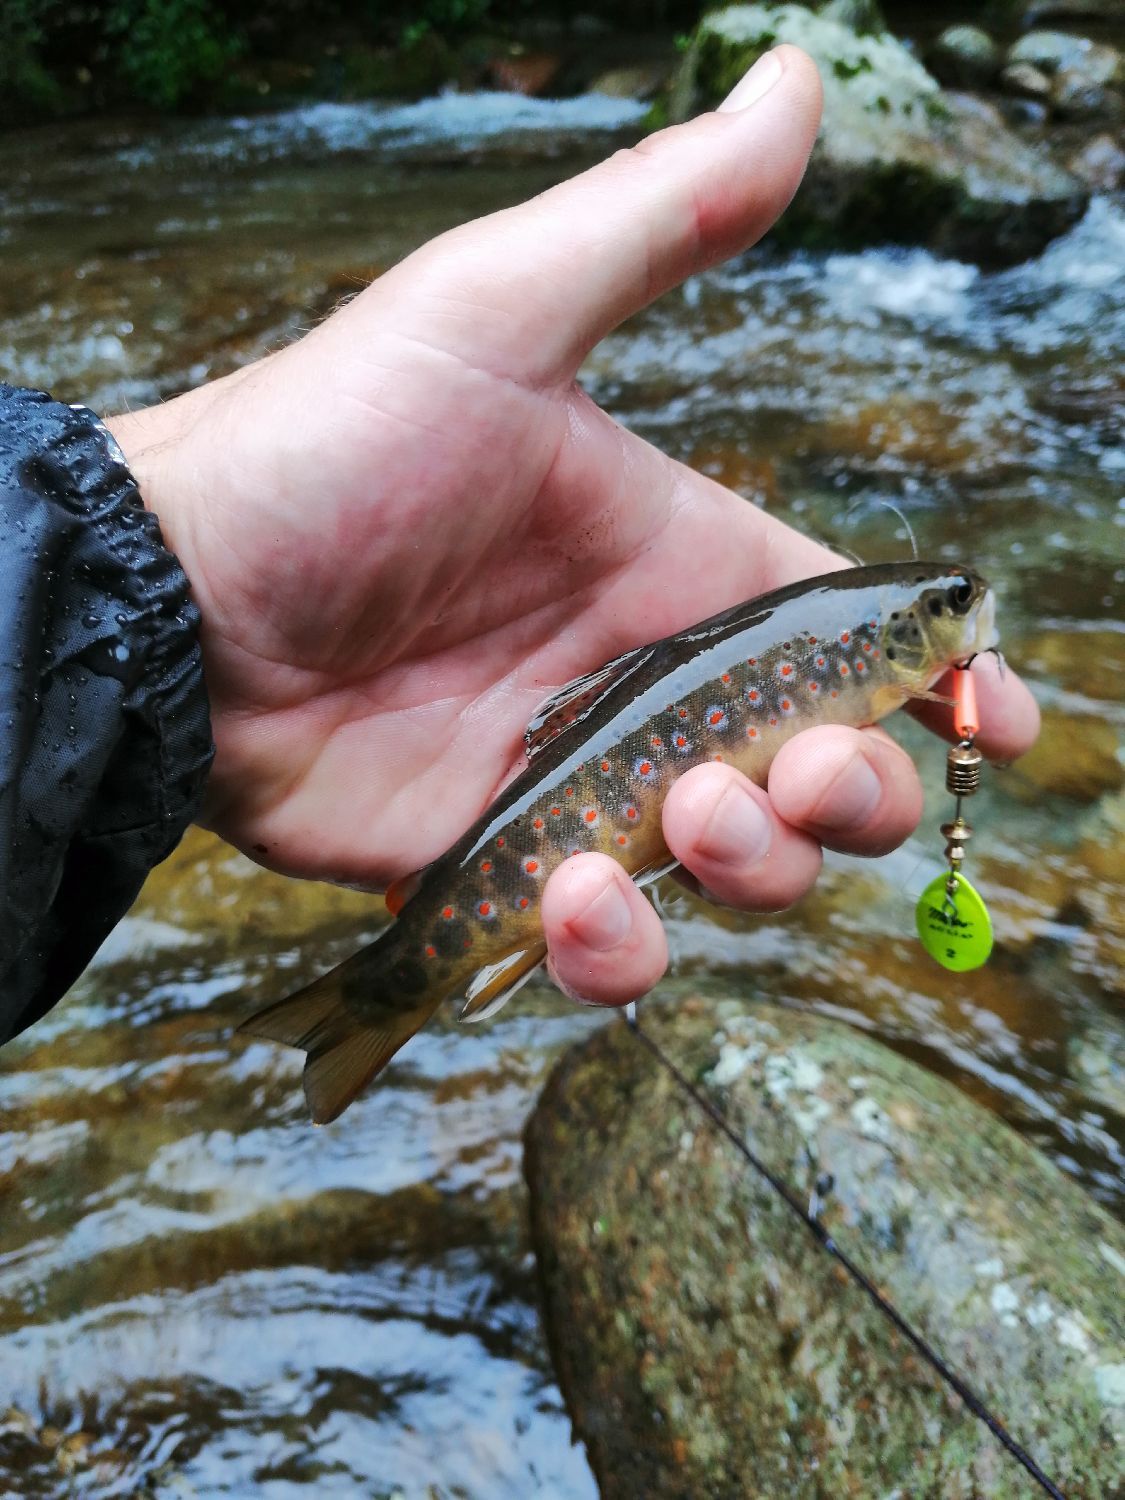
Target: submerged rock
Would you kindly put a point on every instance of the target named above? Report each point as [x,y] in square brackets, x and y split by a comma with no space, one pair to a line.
[896,158]
[701,1336]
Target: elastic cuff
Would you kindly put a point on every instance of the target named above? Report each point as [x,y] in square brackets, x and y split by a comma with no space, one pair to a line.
[105,735]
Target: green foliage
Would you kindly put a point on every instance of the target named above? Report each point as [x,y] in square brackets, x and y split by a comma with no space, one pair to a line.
[166,48]
[23,78]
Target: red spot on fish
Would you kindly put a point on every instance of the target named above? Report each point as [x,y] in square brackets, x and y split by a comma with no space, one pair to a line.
[486,867]
[716,716]
[751,734]
[431,951]
[683,713]
[621,839]
[812,640]
[570,791]
[820,661]
[785,669]
[834,693]
[485,908]
[523,903]
[845,637]
[630,811]
[773,722]
[726,676]
[656,742]
[556,812]
[447,913]
[867,645]
[753,694]
[591,815]
[876,655]
[645,767]
[716,757]
[605,765]
[861,666]
[843,669]
[531,865]
[538,823]
[681,741]
[751,661]
[785,706]
[814,687]
[499,843]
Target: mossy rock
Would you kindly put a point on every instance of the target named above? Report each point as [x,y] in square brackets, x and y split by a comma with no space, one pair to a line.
[897,159]
[707,1346]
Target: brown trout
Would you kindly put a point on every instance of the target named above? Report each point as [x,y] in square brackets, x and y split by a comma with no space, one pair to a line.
[846,648]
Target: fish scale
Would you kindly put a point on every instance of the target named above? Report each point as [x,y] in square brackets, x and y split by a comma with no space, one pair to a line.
[846,648]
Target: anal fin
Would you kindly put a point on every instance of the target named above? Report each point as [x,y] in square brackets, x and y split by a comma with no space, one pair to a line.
[495,984]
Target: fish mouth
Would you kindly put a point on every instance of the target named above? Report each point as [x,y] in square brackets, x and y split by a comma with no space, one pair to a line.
[981,633]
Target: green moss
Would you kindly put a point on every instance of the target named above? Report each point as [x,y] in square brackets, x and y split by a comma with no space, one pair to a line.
[844,69]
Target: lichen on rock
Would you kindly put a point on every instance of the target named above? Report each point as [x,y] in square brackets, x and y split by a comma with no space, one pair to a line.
[701,1335]
[897,159]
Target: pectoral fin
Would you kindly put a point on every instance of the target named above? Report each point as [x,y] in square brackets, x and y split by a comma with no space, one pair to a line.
[893,695]
[923,695]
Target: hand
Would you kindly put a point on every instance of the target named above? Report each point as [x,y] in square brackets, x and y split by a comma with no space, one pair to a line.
[405,529]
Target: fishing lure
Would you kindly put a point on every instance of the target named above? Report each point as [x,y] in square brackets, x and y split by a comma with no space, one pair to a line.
[845,648]
[952,919]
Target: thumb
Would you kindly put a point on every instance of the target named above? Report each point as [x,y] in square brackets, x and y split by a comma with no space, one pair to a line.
[554,275]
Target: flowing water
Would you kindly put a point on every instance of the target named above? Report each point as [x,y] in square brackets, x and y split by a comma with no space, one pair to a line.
[199,1295]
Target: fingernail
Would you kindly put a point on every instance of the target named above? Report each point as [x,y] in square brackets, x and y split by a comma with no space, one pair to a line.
[750,88]
[738,831]
[852,797]
[606,921]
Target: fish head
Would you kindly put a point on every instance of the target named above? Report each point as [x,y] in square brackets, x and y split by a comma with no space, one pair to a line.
[936,620]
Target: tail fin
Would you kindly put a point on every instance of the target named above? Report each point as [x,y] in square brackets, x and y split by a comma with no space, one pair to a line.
[345,1052]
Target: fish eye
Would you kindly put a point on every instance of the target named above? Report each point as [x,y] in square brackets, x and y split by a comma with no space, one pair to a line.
[960,594]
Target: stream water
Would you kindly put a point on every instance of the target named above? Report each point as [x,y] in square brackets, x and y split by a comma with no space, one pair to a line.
[199,1295]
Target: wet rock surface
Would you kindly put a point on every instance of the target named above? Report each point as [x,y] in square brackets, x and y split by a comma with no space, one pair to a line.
[896,159]
[700,1334]
[964,57]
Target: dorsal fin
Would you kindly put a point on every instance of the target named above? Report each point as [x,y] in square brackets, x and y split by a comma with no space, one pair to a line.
[571,703]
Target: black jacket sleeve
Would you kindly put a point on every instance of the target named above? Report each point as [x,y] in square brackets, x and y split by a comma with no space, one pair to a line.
[105,738]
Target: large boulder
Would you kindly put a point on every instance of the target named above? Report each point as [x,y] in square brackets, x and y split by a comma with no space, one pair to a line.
[708,1347]
[896,159]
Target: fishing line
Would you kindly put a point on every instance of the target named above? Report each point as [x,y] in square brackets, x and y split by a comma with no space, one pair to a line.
[974,1403]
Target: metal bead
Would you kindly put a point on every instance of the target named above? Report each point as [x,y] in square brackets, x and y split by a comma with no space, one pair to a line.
[962,770]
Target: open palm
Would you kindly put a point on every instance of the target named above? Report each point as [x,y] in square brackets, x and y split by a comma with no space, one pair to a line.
[404,530]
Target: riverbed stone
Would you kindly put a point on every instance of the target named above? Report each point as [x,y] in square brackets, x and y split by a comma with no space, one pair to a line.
[965,57]
[701,1336]
[1100,163]
[1053,51]
[1024,81]
[1077,756]
[897,159]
